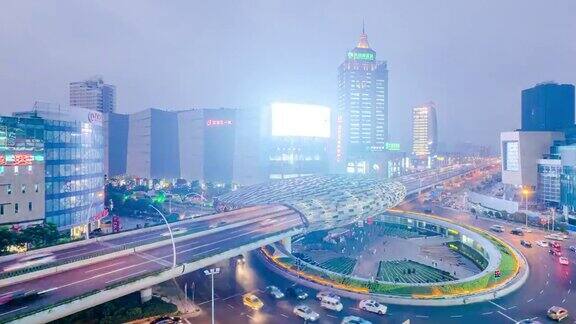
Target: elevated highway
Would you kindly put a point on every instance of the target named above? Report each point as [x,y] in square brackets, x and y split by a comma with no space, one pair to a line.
[84,274]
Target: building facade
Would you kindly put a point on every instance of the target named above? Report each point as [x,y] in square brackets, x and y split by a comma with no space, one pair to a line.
[153,150]
[520,152]
[74,175]
[93,94]
[548,186]
[115,144]
[21,171]
[424,131]
[548,107]
[361,119]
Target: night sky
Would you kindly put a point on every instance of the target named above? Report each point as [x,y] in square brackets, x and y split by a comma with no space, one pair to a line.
[470,57]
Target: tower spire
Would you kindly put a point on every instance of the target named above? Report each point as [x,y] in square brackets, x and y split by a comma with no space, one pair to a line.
[363,43]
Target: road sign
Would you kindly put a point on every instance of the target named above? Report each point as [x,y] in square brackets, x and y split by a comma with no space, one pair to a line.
[116,224]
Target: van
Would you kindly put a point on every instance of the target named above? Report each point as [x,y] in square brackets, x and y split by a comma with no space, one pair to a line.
[331,303]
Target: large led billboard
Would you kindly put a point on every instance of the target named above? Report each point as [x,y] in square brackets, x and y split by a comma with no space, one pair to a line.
[511,156]
[300,120]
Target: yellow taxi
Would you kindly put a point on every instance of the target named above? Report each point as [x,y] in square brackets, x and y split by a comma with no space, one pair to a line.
[252,301]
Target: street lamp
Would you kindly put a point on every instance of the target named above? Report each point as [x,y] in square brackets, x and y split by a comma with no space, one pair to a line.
[211,273]
[171,236]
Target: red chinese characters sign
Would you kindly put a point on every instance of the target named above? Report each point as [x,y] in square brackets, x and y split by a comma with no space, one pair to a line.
[16,159]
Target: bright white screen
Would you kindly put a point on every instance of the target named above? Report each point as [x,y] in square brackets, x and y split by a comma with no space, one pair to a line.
[300,120]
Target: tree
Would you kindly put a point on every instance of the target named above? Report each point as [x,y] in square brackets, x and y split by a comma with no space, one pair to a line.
[7,238]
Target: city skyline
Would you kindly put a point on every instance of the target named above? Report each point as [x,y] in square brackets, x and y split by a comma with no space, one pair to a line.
[427,61]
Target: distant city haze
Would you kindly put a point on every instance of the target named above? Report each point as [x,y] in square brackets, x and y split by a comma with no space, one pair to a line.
[472,58]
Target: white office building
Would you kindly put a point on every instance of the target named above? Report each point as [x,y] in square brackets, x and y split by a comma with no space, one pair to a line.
[93,94]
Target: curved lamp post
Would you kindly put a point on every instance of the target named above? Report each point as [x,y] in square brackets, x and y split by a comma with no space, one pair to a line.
[171,236]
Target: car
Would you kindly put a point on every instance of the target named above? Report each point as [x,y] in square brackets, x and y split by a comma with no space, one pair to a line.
[275,292]
[216,225]
[563,261]
[354,320]
[497,228]
[252,301]
[525,243]
[529,321]
[240,260]
[297,292]
[555,252]
[526,229]
[167,320]
[557,313]
[306,313]
[30,260]
[324,293]
[572,248]
[331,303]
[542,243]
[517,231]
[555,245]
[372,306]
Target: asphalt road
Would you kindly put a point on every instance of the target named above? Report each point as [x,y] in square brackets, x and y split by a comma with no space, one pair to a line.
[159,232]
[549,284]
[99,275]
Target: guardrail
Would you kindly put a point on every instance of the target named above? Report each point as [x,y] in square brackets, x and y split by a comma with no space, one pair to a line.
[26,274]
[92,298]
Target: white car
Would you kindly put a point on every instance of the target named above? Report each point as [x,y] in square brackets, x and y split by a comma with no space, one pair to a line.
[275,292]
[563,261]
[372,306]
[354,320]
[526,229]
[542,243]
[331,303]
[306,313]
[321,294]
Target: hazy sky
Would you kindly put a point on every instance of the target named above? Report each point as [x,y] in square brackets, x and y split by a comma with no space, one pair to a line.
[471,57]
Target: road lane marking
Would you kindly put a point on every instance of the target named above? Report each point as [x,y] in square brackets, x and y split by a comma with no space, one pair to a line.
[207,301]
[230,306]
[563,300]
[284,315]
[487,313]
[509,308]
[547,282]
[422,316]
[252,318]
[508,317]
[104,267]
[569,291]
[6,293]
[456,316]
[530,300]
[330,315]
[14,310]
[354,308]
[499,306]
[541,291]
[126,276]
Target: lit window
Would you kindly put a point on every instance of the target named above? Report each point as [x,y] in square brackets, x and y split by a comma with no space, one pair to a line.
[1,169]
[15,169]
[36,187]
[29,168]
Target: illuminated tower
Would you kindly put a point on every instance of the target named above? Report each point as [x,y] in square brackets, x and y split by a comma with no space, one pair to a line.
[424,131]
[361,125]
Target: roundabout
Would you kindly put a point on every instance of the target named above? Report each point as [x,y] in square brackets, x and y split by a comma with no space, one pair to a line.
[344,202]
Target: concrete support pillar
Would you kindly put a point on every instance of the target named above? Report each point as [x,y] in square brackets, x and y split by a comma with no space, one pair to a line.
[145,295]
[287,243]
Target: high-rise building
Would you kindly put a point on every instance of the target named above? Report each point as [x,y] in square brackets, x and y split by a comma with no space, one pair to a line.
[361,119]
[21,171]
[93,94]
[548,107]
[74,176]
[153,150]
[115,143]
[424,131]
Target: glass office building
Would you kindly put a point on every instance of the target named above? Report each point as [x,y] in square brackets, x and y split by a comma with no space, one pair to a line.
[74,175]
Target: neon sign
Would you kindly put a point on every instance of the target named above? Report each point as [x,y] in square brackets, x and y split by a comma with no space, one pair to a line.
[393,146]
[363,56]
[218,122]
[19,159]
